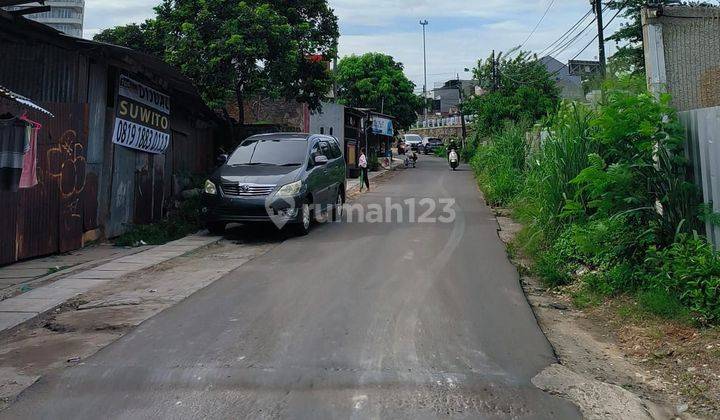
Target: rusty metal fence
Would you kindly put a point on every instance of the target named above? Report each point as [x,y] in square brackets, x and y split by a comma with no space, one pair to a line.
[52,216]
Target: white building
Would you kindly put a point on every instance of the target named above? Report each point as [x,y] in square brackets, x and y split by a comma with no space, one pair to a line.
[65,15]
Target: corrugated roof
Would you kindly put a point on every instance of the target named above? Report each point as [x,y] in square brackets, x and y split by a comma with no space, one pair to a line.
[174,78]
[10,95]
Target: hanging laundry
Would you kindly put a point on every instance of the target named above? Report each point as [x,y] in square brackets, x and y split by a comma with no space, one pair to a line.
[14,143]
[28,178]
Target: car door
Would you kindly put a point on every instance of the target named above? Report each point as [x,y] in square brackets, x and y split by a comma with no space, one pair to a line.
[329,174]
[317,176]
[336,169]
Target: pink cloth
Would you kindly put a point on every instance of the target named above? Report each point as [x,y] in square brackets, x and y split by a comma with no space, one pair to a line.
[28,179]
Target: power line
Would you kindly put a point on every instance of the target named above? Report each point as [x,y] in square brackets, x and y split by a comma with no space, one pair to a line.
[569,43]
[604,27]
[567,33]
[576,55]
[542,18]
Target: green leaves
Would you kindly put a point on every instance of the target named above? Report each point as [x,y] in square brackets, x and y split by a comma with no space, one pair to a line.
[525,92]
[376,81]
[236,49]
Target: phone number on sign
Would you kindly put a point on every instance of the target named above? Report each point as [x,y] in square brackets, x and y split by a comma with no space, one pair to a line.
[140,137]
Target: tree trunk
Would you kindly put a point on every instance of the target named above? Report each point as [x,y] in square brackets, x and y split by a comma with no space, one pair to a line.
[240,95]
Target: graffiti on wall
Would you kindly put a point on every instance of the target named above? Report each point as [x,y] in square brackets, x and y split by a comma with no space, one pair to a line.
[67,165]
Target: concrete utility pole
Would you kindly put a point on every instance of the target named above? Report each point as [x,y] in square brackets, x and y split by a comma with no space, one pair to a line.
[424,23]
[462,116]
[597,5]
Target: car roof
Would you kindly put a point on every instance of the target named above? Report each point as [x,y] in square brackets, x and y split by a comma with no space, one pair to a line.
[281,136]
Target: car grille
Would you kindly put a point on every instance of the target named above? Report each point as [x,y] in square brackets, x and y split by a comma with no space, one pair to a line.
[234,189]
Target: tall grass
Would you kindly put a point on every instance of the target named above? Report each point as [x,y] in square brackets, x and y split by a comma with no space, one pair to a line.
[500,165]
[605,193]
[553,165]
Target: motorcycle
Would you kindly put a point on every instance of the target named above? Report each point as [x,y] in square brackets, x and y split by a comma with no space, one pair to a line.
[410,159]
[454,160]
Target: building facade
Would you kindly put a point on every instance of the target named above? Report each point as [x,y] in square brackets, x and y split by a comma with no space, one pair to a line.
[66,16]
[100,166]
[570,86]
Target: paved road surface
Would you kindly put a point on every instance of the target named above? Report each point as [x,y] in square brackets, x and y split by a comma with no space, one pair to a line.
[389,320]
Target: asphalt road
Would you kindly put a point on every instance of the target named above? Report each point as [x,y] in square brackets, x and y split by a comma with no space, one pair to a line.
[356,320]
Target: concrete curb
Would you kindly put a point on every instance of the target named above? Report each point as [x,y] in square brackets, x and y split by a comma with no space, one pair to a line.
[21,309]
[14,291]
[355,189]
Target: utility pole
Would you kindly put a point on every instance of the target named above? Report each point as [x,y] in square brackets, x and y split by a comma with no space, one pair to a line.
[461,96]
[424,23]
[493,84]
[597,5]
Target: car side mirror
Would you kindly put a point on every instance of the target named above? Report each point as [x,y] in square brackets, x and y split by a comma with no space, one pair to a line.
[321,160]
[221,160]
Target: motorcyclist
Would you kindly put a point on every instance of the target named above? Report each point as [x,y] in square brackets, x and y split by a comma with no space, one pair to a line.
[453,158]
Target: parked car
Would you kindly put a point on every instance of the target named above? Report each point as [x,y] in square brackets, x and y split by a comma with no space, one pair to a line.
[413,141]
[281,178]
[431,145]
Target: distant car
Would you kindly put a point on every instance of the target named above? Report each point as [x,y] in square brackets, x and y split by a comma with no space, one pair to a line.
[431,145]
[280,177]
[413,141]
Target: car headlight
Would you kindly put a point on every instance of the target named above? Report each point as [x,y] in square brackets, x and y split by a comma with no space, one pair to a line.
[290,189]
[210,188]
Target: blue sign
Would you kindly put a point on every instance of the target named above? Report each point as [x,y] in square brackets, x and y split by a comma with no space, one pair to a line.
[383,126]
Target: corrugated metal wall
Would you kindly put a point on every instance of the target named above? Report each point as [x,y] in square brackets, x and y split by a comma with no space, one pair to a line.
[43,72]
[52,216]
[702,127]
[86,181]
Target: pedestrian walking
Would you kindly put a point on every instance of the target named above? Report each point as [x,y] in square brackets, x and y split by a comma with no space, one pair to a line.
[363,163]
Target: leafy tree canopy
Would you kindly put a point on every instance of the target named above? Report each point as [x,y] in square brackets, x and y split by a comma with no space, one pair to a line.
[377,81]
[237,49]
[522,90]
[142,37]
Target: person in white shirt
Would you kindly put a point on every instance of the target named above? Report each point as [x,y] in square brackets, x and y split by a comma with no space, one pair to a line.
[363,164]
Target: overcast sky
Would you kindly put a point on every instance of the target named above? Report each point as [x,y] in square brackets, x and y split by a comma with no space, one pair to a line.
[460,31]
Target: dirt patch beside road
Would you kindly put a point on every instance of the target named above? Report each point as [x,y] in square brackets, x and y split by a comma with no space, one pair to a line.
[671,368]
[94,320]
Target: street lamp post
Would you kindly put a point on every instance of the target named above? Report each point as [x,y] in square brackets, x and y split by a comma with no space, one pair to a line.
[424,23]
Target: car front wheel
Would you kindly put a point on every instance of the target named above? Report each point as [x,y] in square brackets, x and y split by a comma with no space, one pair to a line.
[303,227]
[337,211]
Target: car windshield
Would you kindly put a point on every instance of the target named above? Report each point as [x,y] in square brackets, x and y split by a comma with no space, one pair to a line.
[274,152]
[413,138]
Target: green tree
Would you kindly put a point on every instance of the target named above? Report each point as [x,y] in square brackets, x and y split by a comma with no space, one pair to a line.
[377,81]
[237,49]
[143,37]
[252,47]
[521,90]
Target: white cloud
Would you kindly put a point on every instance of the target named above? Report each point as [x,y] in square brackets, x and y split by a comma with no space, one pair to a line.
[460,31]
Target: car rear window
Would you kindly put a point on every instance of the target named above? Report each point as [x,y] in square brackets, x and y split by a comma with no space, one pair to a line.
[277,152]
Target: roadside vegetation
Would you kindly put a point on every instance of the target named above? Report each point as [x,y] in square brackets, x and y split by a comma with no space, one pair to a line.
[183,221]
[604,198]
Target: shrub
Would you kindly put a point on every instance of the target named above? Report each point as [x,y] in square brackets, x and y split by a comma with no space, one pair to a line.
[182,222]
[690,270]
[500,165]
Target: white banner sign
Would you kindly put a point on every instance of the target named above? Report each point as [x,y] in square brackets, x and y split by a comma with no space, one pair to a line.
[142,117]
[383,126]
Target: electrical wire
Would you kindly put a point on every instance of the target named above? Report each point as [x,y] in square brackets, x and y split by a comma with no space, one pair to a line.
[576,55]
[537,25]
[604,27]
[571,42]
[567,33]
